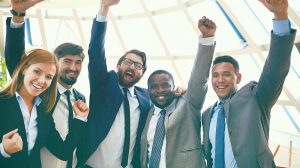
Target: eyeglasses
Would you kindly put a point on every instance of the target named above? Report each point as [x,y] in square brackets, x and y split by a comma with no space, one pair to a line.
[129,62]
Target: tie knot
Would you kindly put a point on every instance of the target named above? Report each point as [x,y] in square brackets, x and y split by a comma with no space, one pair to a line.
[125,90]
[221,103]
[68,93]
[163,112]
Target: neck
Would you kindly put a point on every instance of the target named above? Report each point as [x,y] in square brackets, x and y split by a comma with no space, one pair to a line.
[28,99]
[66,86]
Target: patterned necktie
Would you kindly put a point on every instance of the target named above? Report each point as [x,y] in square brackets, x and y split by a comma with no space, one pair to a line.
[219,142]
[127,130]
[158,140]
[70,119]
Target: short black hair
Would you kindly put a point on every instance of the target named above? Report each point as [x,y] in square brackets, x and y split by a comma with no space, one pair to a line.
[229,59]
[137,52]
[69,48]
[160,71]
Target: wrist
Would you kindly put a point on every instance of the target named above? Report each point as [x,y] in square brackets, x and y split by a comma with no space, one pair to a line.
[17,13]
[281,16]
[103,11]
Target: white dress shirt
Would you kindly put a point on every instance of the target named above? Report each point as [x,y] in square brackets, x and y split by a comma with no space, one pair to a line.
[30,123]
[150,137]
[109,152]
[61,119]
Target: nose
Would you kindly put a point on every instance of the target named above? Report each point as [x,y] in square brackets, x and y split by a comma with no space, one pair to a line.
[220,78]
[73,66]
[42,79]
[131,66]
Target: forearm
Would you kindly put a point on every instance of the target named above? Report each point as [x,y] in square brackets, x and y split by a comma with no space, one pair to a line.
[197,86]
[64,149]
[14,45]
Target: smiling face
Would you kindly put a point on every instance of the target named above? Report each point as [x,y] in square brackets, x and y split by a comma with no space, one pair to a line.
[70,68]
[160,88]
[224,79]
[36,79]
[128,74]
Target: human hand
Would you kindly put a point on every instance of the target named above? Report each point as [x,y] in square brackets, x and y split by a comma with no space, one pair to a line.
[179,91]
[12,142]
[278,7]
[80,108]
[207,27]
[22,5]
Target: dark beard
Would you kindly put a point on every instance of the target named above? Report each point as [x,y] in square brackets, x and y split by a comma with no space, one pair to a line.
[128,85]
[70,81]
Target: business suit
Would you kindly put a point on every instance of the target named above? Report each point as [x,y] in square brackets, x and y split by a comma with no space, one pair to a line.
[106,97]
[183,120]
[47,134]
[248,111]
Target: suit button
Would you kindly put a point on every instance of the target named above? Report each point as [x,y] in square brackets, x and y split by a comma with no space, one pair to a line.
[230,132]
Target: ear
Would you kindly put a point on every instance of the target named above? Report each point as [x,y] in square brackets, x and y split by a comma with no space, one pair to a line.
[239,78]
[118,67]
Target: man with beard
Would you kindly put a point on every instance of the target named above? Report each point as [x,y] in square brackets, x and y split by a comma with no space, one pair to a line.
[118,108]
[171,137]
[70,57]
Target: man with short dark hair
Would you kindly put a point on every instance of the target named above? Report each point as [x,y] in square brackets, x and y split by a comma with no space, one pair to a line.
[118,108]
[70,57]
[236,128]
[171,137]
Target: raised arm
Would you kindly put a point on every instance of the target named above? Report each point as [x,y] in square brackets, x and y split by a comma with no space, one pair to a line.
[15,42]
[277,64]
[197,86]
[97,67]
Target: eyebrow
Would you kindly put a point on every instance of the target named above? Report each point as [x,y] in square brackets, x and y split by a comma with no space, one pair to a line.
[43,71]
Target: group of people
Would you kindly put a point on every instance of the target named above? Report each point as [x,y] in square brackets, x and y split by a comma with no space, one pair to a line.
[46,123]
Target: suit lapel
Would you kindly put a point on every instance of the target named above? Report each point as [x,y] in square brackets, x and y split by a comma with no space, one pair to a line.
[17,114]
[226,110]
[144,137]
[41,124]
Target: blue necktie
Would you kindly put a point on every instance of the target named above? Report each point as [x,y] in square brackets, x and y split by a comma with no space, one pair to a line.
[158,140]
[219,142]
[70,108]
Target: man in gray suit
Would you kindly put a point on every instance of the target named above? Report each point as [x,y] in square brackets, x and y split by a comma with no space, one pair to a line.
[171,137]
[236,128]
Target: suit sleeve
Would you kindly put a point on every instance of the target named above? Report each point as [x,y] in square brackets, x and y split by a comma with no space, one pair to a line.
[197,85]
[275,69]
[14,46]
[97,67]
[64,149]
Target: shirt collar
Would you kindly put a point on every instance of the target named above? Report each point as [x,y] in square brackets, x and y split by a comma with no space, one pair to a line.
[62,89]
[169,108]
[130,89]
[36,101]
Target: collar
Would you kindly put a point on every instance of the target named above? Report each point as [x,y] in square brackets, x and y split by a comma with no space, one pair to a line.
[62,89]
[36,101]
[168,109]
[130,89]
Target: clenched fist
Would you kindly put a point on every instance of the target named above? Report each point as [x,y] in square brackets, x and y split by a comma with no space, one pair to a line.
[12,142]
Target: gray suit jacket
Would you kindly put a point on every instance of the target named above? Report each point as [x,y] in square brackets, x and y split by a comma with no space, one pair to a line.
[183,122]
[248,110]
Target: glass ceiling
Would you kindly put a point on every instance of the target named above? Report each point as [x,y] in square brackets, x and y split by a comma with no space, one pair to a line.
[167,31]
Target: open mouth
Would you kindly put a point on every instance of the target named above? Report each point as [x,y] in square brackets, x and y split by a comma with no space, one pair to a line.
[37,86]
[129,75]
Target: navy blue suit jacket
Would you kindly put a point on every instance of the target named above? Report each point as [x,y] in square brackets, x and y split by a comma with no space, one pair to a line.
[106,98]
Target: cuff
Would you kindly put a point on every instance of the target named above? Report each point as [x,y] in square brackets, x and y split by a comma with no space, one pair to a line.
[3,153]
[84,119]
[281,27]
[100,18]
[15,25]
[208,41]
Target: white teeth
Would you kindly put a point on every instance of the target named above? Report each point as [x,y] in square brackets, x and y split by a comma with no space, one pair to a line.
[37,86]
[221,87]
[161,97]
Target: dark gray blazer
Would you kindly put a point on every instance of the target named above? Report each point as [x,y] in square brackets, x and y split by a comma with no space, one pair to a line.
[248,110]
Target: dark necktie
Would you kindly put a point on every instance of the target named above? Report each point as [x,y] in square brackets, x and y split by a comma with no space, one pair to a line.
[219,141]
[70,108]
[127,130]
[158,141]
